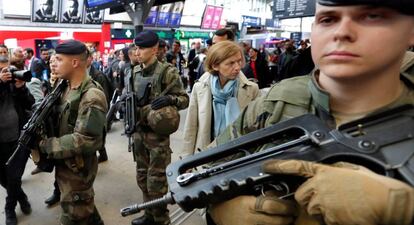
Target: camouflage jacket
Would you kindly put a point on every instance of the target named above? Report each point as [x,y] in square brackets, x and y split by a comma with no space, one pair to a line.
[80,122]
[165,81]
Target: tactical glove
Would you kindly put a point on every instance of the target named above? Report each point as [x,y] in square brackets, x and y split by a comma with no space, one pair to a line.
[161,102]
[250,210]
[344,193]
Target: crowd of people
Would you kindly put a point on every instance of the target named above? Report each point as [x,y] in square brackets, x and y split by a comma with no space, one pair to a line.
[340,78]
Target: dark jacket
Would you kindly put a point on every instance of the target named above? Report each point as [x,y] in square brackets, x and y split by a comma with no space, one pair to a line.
[191,55]
[302,64]
[285,61]
[262,71]
[103,80]
[171,56]
[37,67]
[21,100]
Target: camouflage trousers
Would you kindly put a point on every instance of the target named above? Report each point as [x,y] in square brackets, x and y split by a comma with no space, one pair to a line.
[77,194]
[152,154]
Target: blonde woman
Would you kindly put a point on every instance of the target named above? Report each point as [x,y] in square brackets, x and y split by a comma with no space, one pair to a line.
[218,97]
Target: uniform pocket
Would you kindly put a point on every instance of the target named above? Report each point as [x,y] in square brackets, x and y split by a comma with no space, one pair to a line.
[78,205]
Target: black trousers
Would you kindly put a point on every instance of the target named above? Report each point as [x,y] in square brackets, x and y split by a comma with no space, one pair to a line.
[11,178]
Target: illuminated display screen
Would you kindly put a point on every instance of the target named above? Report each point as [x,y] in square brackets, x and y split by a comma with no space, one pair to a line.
[95,3]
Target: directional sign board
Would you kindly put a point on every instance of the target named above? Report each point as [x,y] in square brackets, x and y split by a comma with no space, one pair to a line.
[293,8]
[251,21]
[93,5]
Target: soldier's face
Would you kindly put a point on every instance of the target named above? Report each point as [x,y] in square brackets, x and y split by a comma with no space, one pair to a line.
[345,40]
[161,53]
[64,65]
[145,55]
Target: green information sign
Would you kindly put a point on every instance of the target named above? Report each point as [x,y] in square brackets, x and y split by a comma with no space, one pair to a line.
[130,34]
[192,34]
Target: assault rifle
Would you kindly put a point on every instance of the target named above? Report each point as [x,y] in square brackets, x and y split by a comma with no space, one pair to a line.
[130,118]
[382,142]
[133,99]
[32,129]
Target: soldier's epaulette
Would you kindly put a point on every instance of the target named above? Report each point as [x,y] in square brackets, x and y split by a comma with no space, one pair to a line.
[96,84]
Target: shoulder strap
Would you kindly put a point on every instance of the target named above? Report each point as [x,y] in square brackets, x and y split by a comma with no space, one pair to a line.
[159,75]
[74,107]
[293,98]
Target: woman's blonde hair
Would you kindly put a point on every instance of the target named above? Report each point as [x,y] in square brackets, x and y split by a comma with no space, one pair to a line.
[220,52]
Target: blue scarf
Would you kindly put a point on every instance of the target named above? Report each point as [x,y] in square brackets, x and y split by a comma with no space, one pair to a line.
[225,105]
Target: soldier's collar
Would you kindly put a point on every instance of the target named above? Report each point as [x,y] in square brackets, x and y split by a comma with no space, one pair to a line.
[320,96]
[150,68]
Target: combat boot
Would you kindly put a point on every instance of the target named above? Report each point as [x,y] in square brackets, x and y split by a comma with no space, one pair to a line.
[143,220]
[11,218]
[53,199]
[102,156]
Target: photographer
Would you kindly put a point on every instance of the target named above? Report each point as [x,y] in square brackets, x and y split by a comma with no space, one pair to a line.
[15,102]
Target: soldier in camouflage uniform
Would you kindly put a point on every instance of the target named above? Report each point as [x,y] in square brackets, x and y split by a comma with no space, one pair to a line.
[152,151]
[80,129]
[351,82]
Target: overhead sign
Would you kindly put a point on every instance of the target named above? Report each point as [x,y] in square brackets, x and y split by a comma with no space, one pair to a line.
[212,17]
[193,13]
[130,34]
[273,23]
[93,5]
[293,8]
[122,33]
[251,21]
[179,34]
[152,17]
[176,14]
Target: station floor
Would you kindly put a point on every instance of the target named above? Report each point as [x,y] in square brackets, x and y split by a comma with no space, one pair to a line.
[115,187]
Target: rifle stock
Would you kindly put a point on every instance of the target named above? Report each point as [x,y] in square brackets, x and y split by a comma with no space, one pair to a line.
[382,143]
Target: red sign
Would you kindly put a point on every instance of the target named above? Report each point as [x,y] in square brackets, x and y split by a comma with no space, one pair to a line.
[212,17]
[217,18]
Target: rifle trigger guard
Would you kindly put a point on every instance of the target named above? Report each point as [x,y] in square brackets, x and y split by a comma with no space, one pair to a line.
[282,186]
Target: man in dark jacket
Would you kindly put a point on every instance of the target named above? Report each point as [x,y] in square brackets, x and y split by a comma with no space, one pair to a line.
[175,57]
[40,67]
[15,103]
[193,62]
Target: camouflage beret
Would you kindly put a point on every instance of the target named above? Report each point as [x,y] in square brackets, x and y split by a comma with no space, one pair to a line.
[403,6]
[71,47]
[146,39]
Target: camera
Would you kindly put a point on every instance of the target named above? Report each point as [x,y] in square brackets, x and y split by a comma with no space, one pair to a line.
[23,75]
